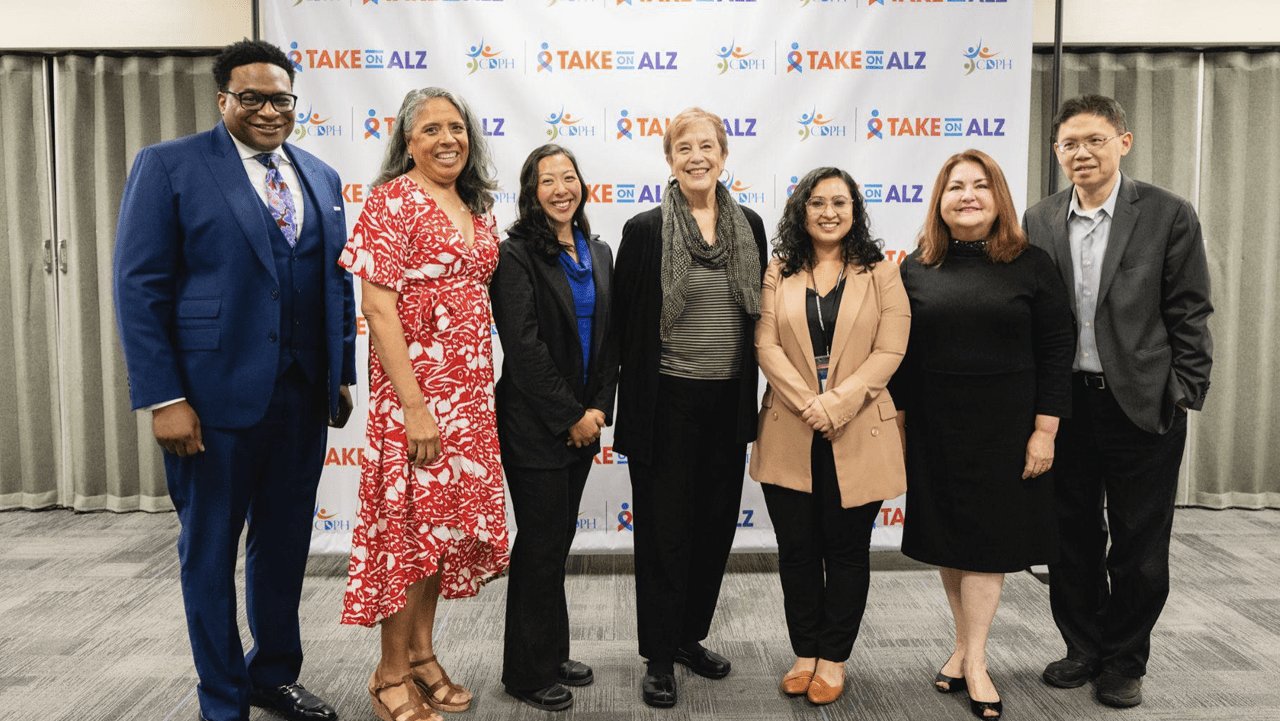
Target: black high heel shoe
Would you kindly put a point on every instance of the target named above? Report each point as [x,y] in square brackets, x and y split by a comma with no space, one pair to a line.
[954,685]
[979,709]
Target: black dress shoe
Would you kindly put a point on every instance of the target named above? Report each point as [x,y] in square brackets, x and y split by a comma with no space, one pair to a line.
[1069,673]
[707,664]
[1119,691]
[293,702]
[574,673]
[659,689]
[552,698]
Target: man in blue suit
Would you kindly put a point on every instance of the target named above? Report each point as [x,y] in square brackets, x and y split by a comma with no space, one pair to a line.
[239,335]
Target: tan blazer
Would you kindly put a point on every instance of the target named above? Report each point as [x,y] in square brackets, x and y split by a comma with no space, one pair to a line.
[870,337]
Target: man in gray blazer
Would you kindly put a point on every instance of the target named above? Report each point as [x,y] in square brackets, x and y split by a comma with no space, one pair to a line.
[1133,254]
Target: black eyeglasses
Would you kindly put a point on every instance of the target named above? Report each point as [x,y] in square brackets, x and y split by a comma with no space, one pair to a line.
[252,100]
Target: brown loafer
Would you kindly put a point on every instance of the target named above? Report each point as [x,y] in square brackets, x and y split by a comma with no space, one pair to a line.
[820,692]
[797,682]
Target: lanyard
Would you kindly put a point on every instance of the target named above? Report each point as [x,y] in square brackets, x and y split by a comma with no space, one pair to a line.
[818,302]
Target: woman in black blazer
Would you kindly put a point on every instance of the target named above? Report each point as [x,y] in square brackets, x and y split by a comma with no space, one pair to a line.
[551,303]
[686,303]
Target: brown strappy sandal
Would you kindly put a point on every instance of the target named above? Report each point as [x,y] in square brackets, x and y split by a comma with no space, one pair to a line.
[411,710]
[450,701]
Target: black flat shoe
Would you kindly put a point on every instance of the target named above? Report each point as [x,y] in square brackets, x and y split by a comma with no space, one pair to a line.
[954,685]
[574,673]
[707,664]
[293,702]
[979,709]
[552,698]
[659,690]
[1119,691]
[1069,673]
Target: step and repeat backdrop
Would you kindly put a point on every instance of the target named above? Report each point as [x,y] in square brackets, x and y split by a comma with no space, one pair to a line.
[885,89]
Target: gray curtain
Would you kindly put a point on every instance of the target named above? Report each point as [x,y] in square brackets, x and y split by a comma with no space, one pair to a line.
[1159,94]
[108,108]
[30,438]
[1237,450]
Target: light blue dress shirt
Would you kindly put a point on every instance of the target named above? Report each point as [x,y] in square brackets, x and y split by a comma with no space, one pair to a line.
[1088,232]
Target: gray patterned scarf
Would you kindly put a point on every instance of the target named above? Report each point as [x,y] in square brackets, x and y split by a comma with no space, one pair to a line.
[682,244]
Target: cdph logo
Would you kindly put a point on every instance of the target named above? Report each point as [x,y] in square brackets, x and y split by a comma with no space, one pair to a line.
[980,57]
[309,124]
[742,191]
[815,124]
[563,124]
[328,521]
[733,57]
[377,128]
[486,57]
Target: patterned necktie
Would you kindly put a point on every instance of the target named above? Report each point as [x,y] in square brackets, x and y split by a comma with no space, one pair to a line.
[279,199]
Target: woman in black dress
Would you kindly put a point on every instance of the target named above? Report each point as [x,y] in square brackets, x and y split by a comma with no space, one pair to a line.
[551,303]
[984,381]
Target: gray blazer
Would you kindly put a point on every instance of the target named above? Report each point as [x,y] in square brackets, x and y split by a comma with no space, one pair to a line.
[1152,324]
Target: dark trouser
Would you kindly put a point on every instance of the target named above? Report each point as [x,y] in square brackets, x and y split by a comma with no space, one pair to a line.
[1101,455]
[537,631]
[823,560]
[266,474]
[685,504]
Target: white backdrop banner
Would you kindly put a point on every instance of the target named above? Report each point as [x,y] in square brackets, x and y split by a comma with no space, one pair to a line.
[885,89]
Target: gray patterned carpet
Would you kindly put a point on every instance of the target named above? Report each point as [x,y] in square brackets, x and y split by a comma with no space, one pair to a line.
[91,628]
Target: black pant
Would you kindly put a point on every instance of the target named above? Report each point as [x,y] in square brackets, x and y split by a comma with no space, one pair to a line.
[685,505]
[1103,455]
[823,559]
[545,503]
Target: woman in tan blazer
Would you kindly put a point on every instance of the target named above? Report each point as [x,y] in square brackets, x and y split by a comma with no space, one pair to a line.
[834,322]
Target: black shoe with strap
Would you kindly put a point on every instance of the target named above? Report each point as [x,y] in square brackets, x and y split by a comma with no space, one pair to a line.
[552,698]
[707,664]
[574,673]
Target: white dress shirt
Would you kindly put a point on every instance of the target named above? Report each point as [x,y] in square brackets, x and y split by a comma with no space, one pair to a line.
[1088,232]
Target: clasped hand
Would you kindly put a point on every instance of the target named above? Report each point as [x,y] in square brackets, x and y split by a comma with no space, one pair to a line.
[587,430]
[814,414]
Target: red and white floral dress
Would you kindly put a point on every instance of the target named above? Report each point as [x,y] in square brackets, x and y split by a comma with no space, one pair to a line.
[449,516]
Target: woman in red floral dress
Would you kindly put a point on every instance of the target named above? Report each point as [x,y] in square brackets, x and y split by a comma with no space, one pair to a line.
[432,516]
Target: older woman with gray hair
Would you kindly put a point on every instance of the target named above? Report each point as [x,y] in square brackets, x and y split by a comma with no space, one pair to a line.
[432,520]
[686,299]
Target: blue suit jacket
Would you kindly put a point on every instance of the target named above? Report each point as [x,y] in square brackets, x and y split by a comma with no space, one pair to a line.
[196,293]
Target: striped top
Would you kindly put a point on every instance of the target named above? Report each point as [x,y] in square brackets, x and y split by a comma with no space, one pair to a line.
[706,340]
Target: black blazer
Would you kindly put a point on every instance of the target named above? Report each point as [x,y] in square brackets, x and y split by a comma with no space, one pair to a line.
[637,306]
[541,394]
[1152,323]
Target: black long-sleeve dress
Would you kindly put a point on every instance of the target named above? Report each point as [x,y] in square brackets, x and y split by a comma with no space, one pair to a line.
[991,347]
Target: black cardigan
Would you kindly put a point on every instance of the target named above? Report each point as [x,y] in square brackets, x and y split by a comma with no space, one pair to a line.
[637,304]
[541,394]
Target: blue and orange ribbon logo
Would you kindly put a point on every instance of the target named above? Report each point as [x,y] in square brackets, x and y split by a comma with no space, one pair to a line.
[624,519]
[372,125]
[874,126]
[544,59]
[793,59]
[624,126]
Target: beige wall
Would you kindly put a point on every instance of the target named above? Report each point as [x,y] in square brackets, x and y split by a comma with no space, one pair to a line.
[1160,22]
[107,24]
[115,24]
